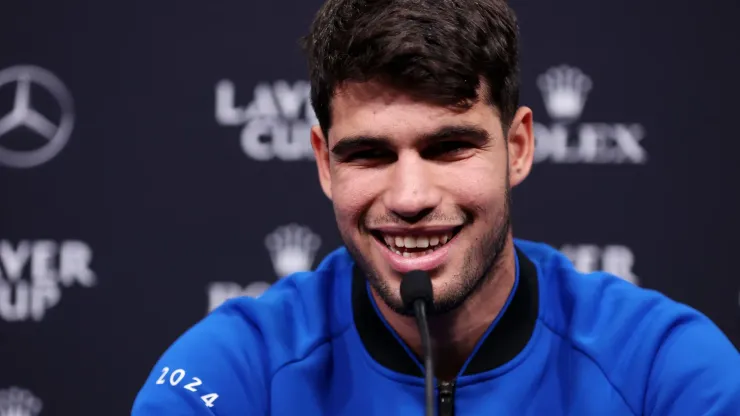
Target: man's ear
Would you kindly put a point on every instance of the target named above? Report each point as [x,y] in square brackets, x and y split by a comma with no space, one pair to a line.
[321,152]
[521,146]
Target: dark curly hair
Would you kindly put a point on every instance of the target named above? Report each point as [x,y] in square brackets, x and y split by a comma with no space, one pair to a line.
[434,50]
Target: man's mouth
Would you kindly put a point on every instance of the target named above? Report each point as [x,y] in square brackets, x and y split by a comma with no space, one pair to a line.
[415,244]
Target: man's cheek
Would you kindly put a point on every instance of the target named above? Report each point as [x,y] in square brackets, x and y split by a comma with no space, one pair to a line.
[352,203]
[348,218]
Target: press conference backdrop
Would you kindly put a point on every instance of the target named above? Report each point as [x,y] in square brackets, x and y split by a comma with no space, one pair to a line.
[155,161]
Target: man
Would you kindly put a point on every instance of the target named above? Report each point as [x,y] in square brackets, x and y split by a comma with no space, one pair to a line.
[420,140]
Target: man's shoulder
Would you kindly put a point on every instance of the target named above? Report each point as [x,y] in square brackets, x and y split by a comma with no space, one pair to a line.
[644,343]
[300,310]
[297,312]
[207,366]
[236,349]
[580,304]
[573,301]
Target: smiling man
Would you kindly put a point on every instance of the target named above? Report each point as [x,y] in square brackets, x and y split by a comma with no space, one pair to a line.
[420,140]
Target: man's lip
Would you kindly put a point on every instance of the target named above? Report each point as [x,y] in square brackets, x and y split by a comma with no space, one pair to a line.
[425,230]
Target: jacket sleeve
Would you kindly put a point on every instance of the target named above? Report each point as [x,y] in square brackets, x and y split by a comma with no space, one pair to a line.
[696,371]
[216,368]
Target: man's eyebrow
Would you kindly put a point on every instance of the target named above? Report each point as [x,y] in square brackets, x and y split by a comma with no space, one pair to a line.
[476,134]
[348,144]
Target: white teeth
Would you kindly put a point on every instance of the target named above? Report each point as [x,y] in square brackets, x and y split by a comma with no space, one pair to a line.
[409,242]
[406,254]
[431,242]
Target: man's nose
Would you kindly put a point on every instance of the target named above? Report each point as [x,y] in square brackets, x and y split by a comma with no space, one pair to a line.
[412,193]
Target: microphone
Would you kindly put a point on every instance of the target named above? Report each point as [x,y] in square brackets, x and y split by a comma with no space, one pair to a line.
[417,294]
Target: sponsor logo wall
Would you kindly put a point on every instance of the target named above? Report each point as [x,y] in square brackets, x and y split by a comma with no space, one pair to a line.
[15,401]
[43,138]
[291,248]
[616,259]
[141,191]
[34,273]
[275,123]
[565,90]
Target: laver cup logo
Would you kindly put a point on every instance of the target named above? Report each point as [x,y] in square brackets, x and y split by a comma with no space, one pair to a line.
[276,124]
[32,274]
[615,259]
[16,401]
[30,136]
[565,91]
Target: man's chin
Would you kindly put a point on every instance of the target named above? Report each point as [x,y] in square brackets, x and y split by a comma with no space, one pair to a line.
[443,302]
[400,309]
[386,281]
[389,294]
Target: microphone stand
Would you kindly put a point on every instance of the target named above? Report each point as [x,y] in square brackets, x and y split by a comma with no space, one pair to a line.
[421,321]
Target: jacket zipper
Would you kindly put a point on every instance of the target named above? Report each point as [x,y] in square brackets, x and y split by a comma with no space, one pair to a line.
[446,398]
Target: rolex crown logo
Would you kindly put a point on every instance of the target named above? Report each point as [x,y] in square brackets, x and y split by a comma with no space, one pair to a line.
[19,402]
[564,90]
[292,249]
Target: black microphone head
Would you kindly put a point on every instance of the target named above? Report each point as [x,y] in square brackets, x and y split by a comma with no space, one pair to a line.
[416,285]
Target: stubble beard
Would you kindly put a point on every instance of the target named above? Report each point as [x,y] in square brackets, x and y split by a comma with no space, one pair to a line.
[480,265]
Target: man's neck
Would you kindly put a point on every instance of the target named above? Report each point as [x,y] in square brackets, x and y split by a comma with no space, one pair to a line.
[455,335]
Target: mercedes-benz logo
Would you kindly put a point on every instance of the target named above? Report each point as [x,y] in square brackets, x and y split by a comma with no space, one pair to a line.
[24,115]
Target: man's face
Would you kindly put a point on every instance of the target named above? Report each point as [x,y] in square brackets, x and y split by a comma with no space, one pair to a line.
[416,186]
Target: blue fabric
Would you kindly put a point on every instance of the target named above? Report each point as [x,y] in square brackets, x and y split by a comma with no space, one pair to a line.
[600,346]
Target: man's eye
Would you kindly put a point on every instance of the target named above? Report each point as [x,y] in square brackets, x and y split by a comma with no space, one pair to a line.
[447,148]
[370,154]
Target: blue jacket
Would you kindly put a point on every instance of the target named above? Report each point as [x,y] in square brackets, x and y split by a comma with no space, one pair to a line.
[566,343]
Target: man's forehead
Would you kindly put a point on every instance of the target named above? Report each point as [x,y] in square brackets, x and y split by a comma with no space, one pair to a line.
[374,109]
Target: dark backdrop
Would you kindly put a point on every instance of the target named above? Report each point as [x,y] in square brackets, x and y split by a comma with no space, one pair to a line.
[154,161]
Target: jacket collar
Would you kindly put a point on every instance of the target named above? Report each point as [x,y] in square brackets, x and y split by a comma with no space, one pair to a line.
[507,339]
